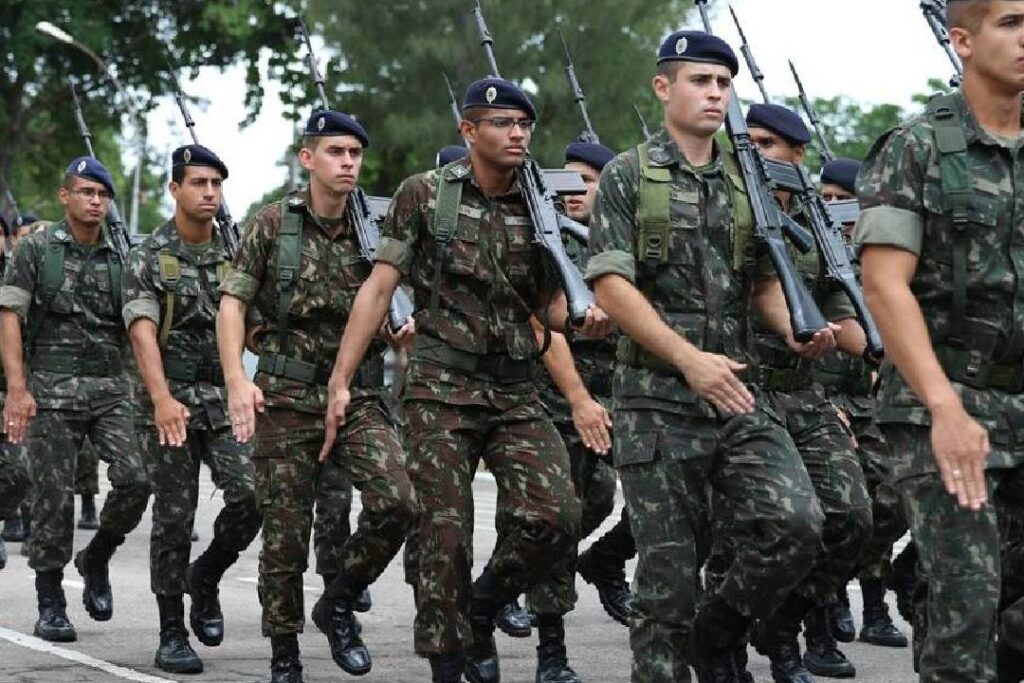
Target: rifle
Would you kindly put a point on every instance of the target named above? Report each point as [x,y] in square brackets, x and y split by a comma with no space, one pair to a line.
[934,14]
[227,226]
[540,202]
[365,220]
[118,233]
[643,123]
[588,135]
[834,252]
[812,116]
[769,220]
[748,57]
[9,229]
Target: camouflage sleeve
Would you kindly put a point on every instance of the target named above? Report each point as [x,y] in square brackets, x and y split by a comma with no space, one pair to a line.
[250,265]
[400,229]
[20,274]
[612,244]
[890,187]
[140,296]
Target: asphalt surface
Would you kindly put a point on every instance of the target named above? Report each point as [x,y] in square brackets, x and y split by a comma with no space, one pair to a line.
[122,649]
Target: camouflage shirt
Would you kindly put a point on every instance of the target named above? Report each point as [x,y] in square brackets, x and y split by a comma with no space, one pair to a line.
[697,291]
[82,325]
[493,273]
[192,339]
[330,271]
[903,205]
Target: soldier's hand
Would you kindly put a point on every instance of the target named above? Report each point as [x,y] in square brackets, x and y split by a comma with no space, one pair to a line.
[597,324]
[171,418]
[19,410]
[244,400]
[403,338]
[338,398]
[822,343]
[961,450]
[592,423]
[713,376]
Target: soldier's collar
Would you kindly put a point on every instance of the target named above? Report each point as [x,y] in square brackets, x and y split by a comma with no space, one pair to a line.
[62,232]
[459,170]
[663,152]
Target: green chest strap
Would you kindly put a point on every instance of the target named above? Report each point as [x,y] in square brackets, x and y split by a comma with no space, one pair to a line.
[446,216]
[289,244]
[957,188]
[654,212]
[170,275]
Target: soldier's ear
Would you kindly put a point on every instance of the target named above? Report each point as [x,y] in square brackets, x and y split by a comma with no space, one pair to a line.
[660,84]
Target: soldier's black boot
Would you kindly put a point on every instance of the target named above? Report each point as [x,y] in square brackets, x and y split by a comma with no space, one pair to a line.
[15,529]
[53,623]
[841,619]
[513,620]
[362,602]
[333,615]
[447,667]
[780,642]
[92,563]
[878,628]
[285,666]
[823,657]
[88,519]
[552,664]
[1009,663]
[202,579]
[603,566]
[174,654]
[3,554]
[719,643]
[482,663]
[904,581]
[26,546]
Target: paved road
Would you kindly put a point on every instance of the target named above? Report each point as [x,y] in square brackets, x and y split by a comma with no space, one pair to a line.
[122,649]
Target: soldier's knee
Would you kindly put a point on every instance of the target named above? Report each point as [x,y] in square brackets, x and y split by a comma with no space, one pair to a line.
[803,524]
[549,538]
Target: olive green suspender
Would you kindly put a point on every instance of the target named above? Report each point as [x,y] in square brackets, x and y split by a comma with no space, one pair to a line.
[289,243]
[170,275]
[53,279]
[955,175]
[446,215]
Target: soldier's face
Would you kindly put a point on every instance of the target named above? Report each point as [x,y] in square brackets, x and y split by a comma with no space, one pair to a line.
[696,100]
[335,163]
[996,50]
[199,194]
[831,192]
[85,202]
[500,137]
[775,147]
[579,206]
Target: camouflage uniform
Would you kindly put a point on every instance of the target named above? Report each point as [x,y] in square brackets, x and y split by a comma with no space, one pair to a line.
[185,288]
[470,394]
[670,444]
[80,385]
[87,471]
[14,479]
[942,188]
[295,364]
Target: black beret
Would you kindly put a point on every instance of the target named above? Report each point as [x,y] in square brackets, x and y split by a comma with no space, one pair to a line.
[197,155]
[329,122]
[781,120]
[497,93]
[89,168]
[450,153]
[698,46]
[590,153]
[28,219]
[841,172]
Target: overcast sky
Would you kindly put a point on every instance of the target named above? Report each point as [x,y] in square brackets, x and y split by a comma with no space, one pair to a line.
[870,50]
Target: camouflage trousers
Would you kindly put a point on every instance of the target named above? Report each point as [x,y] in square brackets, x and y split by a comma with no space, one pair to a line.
[174,475]
[888,521]
[87,472]
[370,455]
[667,464]
[55,437]
[537,509]
[594,483]
[14,478]
[331,524]
[973,563]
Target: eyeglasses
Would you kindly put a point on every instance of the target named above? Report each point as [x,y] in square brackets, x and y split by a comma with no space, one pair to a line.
[90,193]
[507,123]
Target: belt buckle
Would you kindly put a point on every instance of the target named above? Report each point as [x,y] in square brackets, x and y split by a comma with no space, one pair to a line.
[279,364]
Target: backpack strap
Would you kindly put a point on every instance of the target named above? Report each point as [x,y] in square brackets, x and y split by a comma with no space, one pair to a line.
[170,276]
[446,216]
[51,281]
[652,241]
[289,243]
[955,175]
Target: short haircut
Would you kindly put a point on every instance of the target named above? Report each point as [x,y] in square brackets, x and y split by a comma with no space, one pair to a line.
[178,172]
[967,14]
[670,69]
[69,181]
[311,142]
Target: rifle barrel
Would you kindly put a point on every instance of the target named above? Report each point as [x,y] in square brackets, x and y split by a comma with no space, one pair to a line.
[748,57]
[486,40]
[589,134]
[812,116]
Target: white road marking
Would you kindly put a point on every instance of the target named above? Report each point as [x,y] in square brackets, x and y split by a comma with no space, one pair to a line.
[255,580]
[40,645]
[73,584]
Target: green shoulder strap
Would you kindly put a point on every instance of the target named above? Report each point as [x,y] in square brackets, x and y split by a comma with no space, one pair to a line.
[50,283]
[742,214]
[652,242]
[955,174]
[289,242]
[170,275]
[446,216]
